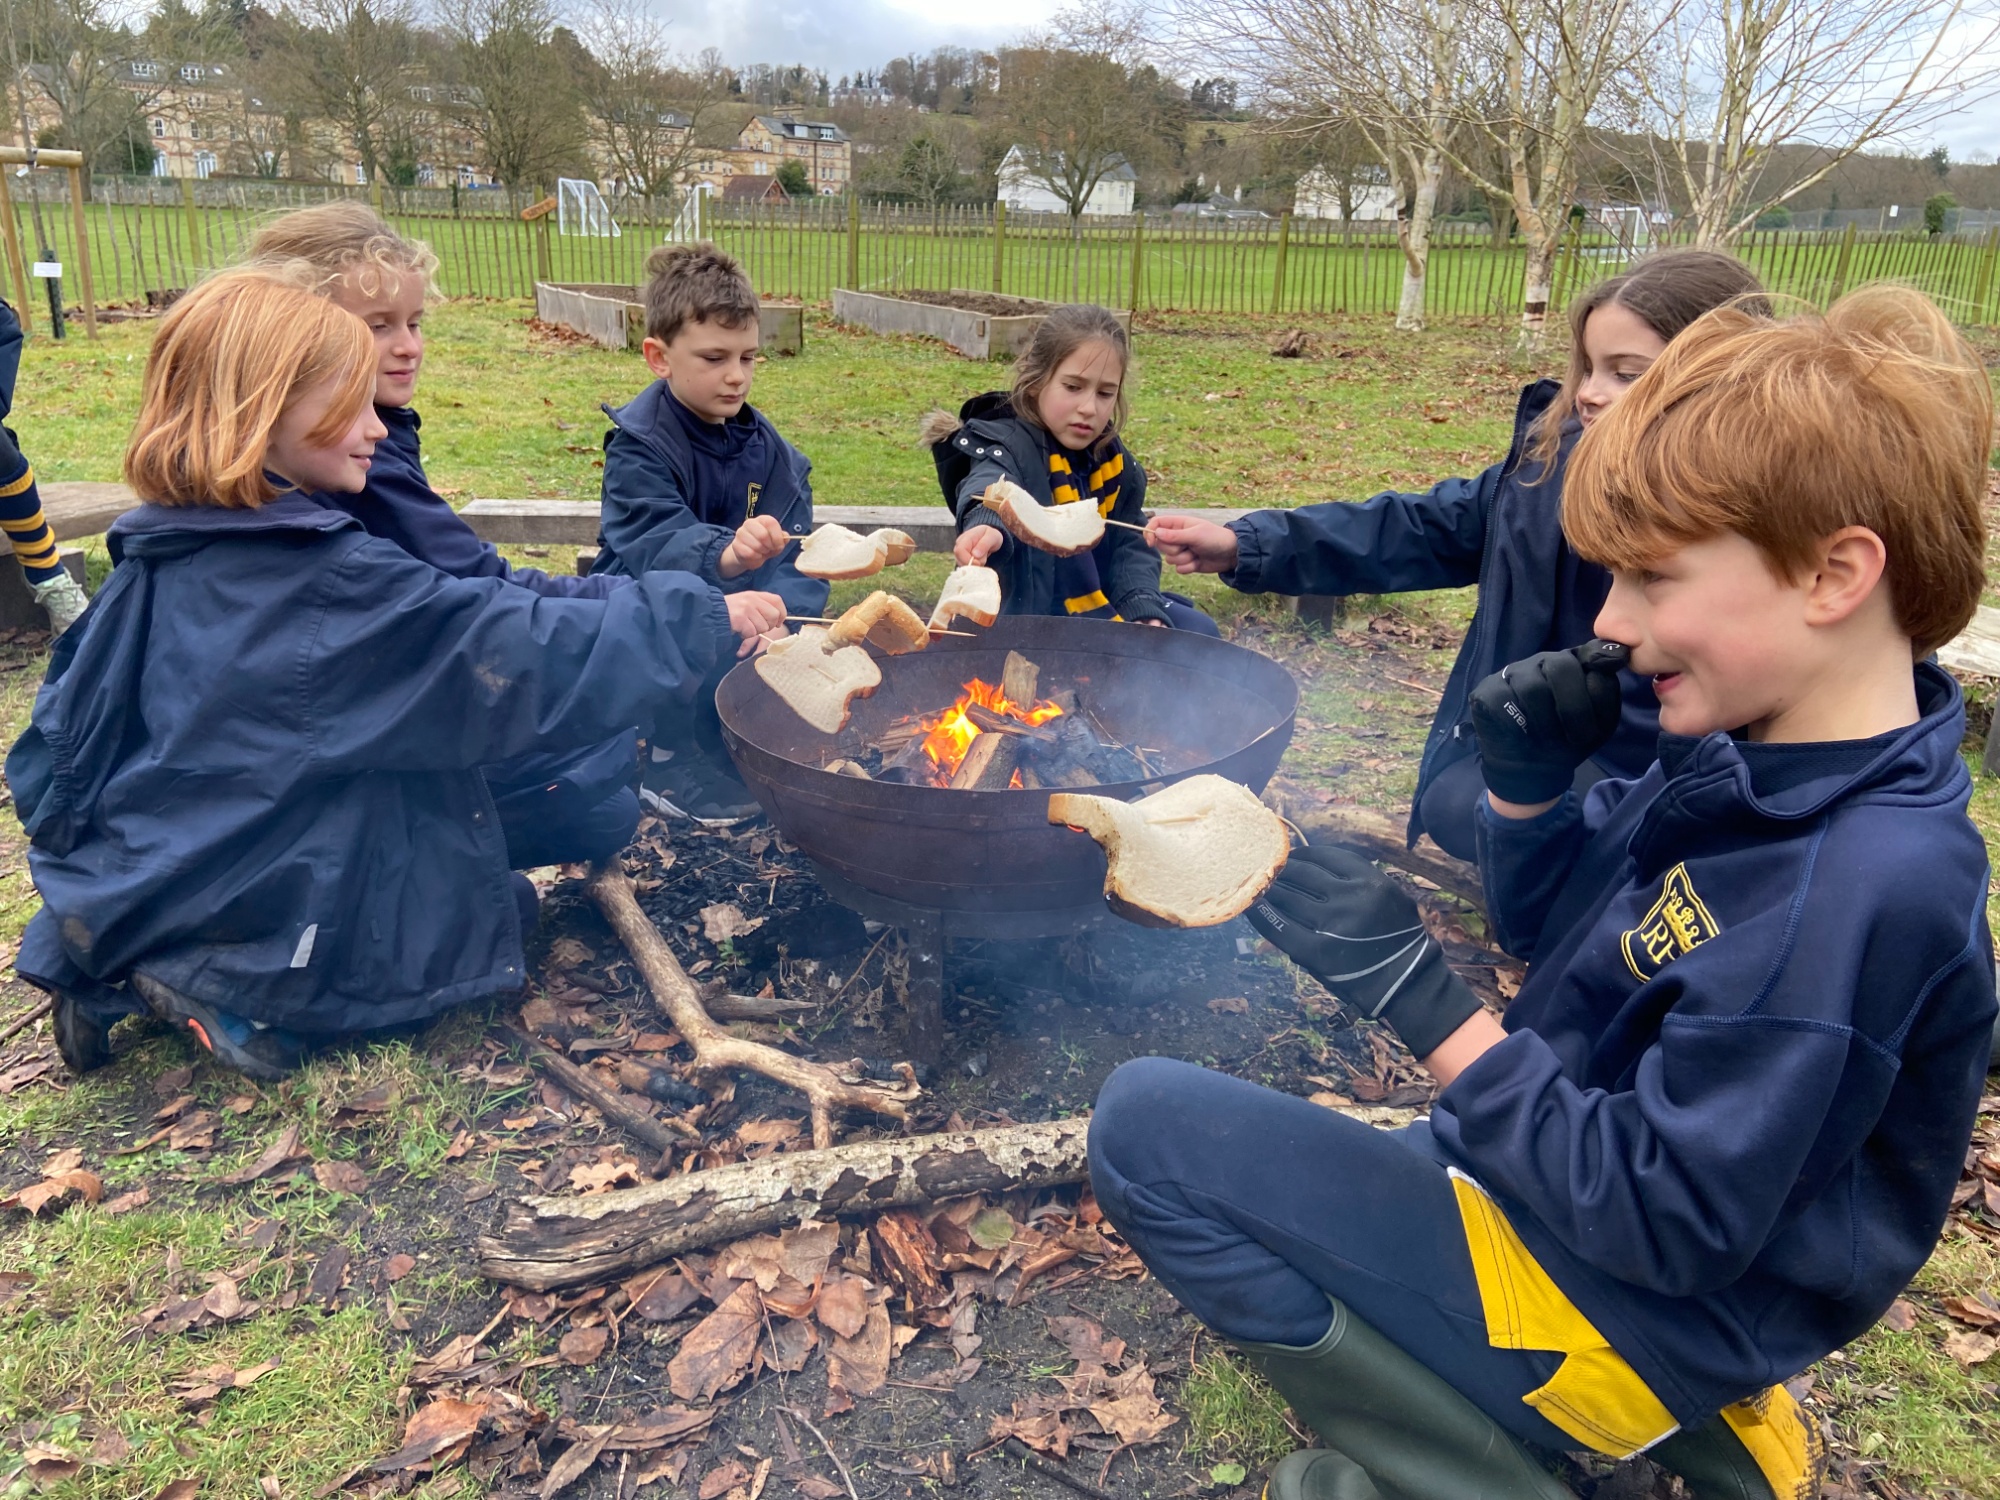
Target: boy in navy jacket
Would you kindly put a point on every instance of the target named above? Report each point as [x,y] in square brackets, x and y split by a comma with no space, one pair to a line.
[698,480]
[1719,1128]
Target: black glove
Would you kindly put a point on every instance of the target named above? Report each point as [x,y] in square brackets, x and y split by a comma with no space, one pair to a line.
[1354,930]
[1539,719]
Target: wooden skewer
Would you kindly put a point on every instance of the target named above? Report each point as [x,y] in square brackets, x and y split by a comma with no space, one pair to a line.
[834,620]
[1126,524]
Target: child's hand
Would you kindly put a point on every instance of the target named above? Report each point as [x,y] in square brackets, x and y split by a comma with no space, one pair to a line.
[975,546]
[1191,544]
[1357,932]
[756,618]
[756,542]
[1539,719]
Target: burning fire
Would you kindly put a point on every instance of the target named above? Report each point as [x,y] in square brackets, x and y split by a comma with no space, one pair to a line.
[951,734]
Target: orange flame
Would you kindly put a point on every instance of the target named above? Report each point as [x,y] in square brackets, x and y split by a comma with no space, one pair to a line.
[951,734]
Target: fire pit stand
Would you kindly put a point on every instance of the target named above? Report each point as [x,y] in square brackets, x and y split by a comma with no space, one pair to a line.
[941,864]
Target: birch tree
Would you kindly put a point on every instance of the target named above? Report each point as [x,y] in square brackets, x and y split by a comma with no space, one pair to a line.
[650,113]
[1734,79]
[1396,70]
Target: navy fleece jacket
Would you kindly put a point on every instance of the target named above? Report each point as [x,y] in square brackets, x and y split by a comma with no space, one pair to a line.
[399,505]
[1740,1079]
[1501,530]
[663,510]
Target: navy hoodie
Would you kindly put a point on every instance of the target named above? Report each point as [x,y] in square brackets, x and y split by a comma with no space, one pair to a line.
[399,505]
[1501,530]
[1740,1078]
[659,513]
[255,777]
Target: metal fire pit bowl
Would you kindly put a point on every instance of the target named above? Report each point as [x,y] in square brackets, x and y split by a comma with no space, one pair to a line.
[990,863]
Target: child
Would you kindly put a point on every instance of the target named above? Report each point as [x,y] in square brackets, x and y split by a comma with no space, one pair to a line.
[252,784]
[21,516]
[558,807]
[1499,530]
[1055,434]
[1722,1124]
[696,478]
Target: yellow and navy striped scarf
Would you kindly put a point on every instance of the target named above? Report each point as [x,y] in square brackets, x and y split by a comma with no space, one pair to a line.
[1075,480]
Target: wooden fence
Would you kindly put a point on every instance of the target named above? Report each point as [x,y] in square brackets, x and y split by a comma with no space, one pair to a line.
[153,235]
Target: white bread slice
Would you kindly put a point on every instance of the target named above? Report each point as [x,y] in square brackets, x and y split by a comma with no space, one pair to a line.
[898,546]
[1193,855]
[835,552]
[972,592]
[1064,530]
[883,619]
[818,683]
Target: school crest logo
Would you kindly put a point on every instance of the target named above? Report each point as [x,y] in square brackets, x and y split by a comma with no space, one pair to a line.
[1675,924]
[756,494]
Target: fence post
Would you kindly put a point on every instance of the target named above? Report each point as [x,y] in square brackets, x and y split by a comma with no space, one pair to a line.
[1138,258]
[375,194]
[1278,275]
[999,243]
[1840,261]
[853,242]
[193,226]
[1986,276]
[79,187]
[544,262]
[15,263]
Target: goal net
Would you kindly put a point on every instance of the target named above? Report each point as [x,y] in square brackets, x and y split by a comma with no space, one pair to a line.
[581,209]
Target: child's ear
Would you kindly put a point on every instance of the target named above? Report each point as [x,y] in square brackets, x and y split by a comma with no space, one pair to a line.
[655,353]
[1851,563]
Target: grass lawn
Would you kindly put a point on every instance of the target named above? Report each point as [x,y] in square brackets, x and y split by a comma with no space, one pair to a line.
[513,413]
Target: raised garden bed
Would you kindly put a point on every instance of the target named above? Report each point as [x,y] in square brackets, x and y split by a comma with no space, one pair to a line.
[613,315]
[979,325]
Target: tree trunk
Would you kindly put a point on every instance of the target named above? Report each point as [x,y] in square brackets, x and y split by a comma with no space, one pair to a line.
[543,1243]
[1415,234]
[1537,285]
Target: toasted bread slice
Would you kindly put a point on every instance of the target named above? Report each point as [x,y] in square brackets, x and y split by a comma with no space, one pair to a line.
[885,620]
[817,682]
[972,592]
[836,552]
[1064,530]
[898,547]
[1193,855]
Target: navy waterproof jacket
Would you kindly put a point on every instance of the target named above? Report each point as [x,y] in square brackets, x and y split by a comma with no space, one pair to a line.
[254,775]
[655,516]
[10,357]
[399,505]
[1502,531]
[1740,1078]
[997,444]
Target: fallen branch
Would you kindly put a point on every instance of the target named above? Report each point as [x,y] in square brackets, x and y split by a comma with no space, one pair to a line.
[1381,837]
[756,1008]
[1016,1449]
[544,1243]
[22,1023]
[845,1477]
[635,1122]
[714,1048]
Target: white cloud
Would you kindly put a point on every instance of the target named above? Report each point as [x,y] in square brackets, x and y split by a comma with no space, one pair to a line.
[845,37]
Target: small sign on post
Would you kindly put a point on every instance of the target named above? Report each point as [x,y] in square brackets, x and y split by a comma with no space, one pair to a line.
[49,269]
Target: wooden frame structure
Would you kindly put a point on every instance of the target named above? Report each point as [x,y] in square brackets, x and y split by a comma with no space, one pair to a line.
[79,191]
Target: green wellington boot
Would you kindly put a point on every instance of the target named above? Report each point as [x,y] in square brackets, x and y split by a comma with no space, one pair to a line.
[1399,1431]
[1714,1464]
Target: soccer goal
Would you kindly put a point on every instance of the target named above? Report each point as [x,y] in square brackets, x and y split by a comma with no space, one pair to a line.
[581,209]
[689,222]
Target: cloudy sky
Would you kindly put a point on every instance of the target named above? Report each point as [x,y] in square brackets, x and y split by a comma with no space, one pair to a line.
[844,36]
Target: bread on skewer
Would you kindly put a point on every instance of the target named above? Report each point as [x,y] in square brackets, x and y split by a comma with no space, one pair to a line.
[971,592]
[885,620]
[1062,530]
[818,680]
[1193,855]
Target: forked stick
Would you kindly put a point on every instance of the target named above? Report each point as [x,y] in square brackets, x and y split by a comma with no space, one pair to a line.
[714,1048]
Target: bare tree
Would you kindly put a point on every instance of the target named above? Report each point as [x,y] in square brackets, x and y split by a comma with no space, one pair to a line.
[1735,79]
[1394,69]
[513,91]
[649,112]
[350,63]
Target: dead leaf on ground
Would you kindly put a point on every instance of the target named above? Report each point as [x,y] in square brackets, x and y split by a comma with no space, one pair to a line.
[718,1350]
[767,1132]
[194,1132]
[843,1305]
[179,1489]
[602,1176]
[124,1203]
[340,1177]
[582,1346]
[283,1149]
[574,1463]
[723,1478]
[1036,1422]
[432,1435]
[1230,1005]
[859,1366]
[1900,1318]
[398,1266]
[110,1449]
[47,1465]
[725,920]
[1976,1312]
[661,1296]
[1087,1342]
[1971,1349]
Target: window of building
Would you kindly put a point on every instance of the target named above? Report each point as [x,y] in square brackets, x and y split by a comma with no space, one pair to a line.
[204,164]
[191,73]
[360,175]
[145,70]
[159,128]
[159,165]
[426,174]
[826,132]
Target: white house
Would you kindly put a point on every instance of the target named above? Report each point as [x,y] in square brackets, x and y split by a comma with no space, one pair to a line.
[1318,197]
[1023,191]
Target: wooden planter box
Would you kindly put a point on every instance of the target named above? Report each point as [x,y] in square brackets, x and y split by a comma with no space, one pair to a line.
[615,317]
[976,335]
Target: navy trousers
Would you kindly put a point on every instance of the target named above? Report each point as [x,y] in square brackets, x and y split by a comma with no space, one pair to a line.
[1253,1207]
[568,808]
